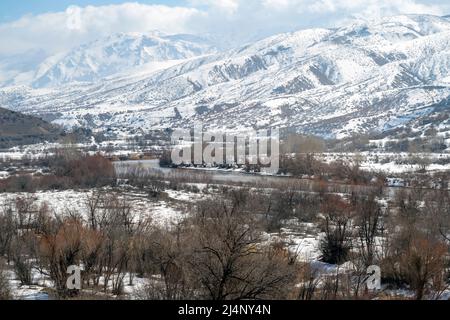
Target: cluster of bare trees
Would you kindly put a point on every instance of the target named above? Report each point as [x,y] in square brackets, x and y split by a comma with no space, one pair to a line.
[308,164]
[416,252]
[218,253]
[67,169]
[296,143]
[408,238]
[102,242]
[221,251]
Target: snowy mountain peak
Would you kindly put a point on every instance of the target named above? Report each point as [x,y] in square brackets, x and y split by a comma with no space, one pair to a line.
[114,54]
[392,30]
[118,53]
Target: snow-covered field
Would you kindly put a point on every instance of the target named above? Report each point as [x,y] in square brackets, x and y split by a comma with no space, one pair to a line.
[389,162]
[162,213]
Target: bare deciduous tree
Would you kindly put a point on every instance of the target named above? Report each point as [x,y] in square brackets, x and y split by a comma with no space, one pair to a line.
[369,225]
[423,263]
[229,260]
[336,224]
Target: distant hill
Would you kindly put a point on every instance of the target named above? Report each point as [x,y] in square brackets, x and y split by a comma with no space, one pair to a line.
[19,129]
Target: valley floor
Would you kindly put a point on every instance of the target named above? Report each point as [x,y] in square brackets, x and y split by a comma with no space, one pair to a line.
[290,214]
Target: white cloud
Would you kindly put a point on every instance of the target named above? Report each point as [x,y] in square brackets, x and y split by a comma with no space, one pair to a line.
[62,30]
[227,6]
[391,7]
[379,7]
[234,21]
[257,18]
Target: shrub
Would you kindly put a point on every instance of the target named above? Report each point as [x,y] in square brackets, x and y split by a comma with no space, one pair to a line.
[336,244]
[84,170]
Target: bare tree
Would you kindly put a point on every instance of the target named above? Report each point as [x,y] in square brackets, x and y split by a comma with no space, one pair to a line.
[60,250]
[22,258]
[8,229]
[93,202]
[308,283]
[167,254]
[336,224]
[228,259]
[438,206]
[122,229]
[423,263]
[369,225]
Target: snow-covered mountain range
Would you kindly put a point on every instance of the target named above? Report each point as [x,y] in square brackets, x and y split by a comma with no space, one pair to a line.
[106,57]
[365,77]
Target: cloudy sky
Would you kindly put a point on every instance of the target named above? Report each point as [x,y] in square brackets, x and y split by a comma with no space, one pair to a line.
[58,25]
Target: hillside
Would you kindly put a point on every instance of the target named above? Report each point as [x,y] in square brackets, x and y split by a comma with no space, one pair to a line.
[19,129]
